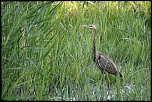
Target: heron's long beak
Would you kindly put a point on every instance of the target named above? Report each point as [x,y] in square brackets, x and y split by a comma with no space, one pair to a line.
[86,26]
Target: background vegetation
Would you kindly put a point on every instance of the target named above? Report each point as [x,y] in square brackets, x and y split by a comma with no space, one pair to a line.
[45,55]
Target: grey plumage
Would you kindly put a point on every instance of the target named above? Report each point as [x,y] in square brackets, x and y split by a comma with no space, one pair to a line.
[105,64]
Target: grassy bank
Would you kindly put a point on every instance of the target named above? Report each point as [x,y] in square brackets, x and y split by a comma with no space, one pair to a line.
[47,56]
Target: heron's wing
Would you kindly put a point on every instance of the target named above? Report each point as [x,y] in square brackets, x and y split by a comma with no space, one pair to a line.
[106,64]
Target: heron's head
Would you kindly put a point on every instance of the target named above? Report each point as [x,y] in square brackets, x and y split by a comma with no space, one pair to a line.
[89,26]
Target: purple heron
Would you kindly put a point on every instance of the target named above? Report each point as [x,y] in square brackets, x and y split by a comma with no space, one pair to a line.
[105,64]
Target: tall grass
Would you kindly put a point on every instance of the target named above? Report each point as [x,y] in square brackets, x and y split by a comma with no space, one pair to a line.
[47,56]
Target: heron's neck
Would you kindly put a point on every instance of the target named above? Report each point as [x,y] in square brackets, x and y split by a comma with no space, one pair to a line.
[94,44]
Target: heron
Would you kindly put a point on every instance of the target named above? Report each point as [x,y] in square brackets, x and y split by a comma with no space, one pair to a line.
[105,64]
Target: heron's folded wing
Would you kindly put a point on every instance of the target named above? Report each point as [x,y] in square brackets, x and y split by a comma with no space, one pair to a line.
[106,64]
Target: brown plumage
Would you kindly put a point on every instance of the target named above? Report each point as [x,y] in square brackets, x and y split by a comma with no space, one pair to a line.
[105,64]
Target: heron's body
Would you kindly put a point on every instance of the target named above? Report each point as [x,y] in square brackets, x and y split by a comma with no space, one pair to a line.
[105,64]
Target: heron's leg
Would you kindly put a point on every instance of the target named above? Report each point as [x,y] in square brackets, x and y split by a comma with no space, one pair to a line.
[108,80]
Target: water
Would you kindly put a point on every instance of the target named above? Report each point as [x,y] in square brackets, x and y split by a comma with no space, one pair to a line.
[97,93]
